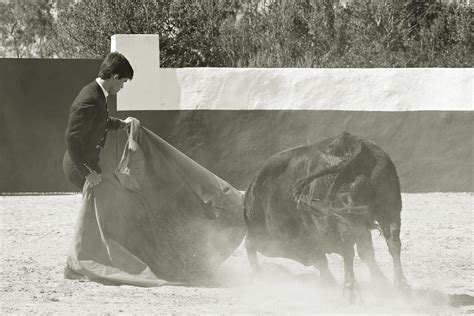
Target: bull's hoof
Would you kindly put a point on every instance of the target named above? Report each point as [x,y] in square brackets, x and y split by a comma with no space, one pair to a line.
[351,292]
[403,287]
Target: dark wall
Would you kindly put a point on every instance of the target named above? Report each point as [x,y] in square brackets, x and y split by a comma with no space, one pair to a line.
[431,150]
[35,96]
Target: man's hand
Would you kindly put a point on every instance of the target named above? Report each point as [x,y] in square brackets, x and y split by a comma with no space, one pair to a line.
[93,179]
[127,122]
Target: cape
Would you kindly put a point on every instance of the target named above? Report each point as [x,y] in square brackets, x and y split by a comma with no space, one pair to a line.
[160,218]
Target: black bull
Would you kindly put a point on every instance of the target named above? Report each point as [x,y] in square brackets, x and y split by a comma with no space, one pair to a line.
[312,200]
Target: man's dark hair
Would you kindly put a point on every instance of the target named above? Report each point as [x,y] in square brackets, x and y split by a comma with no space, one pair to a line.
[115,64]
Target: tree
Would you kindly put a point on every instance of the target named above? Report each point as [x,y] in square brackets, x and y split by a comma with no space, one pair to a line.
[248,33]
[26,28]
[188,29]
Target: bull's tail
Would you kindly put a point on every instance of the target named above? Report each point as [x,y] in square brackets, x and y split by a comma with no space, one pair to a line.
[303,183]
[348,165]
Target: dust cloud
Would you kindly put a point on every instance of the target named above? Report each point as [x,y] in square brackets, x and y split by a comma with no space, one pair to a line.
[437,238]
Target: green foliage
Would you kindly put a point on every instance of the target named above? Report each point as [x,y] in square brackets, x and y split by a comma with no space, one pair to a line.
[26,27]
[188,30]
[250,33]
[323,33]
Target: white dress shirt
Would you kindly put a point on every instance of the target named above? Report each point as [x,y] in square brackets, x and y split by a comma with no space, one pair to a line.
[106,94]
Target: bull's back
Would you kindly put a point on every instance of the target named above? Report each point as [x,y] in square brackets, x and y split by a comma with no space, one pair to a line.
[275,223]
[270,192]
[271,189]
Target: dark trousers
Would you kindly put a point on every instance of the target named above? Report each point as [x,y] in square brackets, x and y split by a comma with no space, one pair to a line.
[72,174]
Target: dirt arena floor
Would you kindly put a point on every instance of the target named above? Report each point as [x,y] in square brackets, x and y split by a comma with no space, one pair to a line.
[438,256]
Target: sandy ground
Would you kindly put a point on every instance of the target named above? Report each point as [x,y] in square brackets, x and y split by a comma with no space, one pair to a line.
[437,237]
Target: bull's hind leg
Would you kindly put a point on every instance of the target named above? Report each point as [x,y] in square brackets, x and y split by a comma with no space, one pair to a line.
[391,232]
[365,249]
[361,193]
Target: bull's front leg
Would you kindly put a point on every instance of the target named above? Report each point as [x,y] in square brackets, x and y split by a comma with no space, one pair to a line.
[351,288]
[321,263]
[252,257]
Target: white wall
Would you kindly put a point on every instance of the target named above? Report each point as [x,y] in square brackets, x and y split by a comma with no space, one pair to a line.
[388,89]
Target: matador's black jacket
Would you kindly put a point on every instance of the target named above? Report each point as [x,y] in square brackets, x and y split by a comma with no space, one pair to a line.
[86,132]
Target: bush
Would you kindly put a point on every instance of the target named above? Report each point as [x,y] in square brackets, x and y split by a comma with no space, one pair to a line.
[278,33]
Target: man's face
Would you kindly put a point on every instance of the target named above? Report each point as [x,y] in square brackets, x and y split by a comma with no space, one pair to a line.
[117,84]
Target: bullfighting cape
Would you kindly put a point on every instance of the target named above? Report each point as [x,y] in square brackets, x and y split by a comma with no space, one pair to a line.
[160,218]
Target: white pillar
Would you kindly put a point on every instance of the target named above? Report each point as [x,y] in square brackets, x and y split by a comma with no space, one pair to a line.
[143,52]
